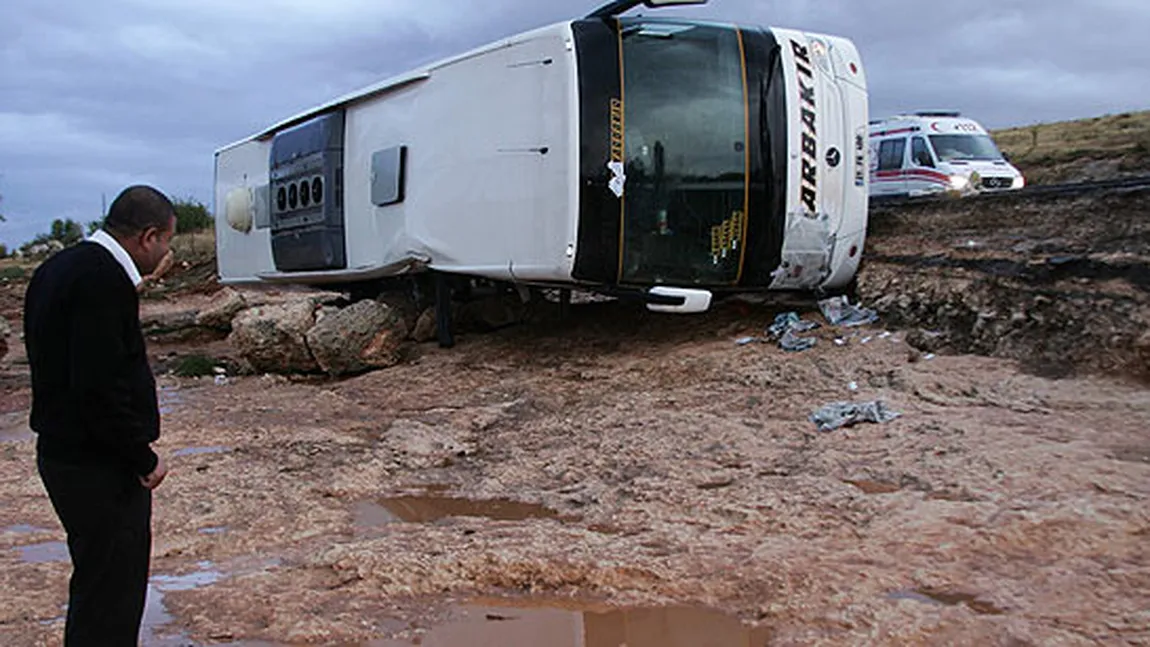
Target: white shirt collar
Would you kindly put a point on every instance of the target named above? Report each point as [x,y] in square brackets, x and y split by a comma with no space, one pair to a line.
[117,250]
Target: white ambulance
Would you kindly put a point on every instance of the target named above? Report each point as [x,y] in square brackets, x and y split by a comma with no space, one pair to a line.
[934,152]
[664,158]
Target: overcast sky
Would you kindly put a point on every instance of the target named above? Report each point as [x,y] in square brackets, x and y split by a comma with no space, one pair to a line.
[95,96]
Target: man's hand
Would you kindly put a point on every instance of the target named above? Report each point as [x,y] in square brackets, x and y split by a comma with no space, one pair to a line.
[165,264]
[153,480]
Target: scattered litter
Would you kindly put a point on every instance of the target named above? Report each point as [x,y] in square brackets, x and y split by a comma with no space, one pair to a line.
[795,344]
[220,370]
[784,328]
[884,334]
[221,380]
[865,340]
[839,312]
[743,341]
[928,356]
[846,414]
[839,341]
[853,386]
[804,325]
[790,321]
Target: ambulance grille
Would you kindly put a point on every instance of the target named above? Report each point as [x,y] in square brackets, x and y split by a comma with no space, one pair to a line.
[997,182]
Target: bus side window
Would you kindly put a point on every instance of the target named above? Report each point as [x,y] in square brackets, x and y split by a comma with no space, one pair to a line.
[890,153]
[920,153]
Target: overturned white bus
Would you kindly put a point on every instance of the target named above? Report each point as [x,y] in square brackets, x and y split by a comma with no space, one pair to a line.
[666,158]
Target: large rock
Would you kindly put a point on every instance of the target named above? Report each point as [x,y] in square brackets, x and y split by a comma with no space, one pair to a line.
[220,311]
[169,324]
[425,327]
[365,335]
[273,339]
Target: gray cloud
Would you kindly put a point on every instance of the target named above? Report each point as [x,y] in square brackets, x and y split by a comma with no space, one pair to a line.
[95,96]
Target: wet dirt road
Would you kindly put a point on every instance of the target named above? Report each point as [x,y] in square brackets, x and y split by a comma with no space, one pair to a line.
[598,479]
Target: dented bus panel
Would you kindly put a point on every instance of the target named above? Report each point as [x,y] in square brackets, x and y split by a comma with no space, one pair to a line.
[668,158]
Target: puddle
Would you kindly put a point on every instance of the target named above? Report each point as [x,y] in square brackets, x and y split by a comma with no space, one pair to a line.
[156,615]
[169,398]
[939,597]
[875,487]
[425,509]
[569,625]
[24,529]
[203,577]
[49,551]
[194,451]
[15,431]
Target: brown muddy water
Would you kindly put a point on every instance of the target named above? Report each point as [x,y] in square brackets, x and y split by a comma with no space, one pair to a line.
[493,623]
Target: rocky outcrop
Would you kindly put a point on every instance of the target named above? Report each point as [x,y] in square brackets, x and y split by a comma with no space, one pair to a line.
[224,306]
[1061,283]
[365,335]
[273,339]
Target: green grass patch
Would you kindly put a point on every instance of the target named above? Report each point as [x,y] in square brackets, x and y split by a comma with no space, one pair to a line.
[13,273]
[196,366]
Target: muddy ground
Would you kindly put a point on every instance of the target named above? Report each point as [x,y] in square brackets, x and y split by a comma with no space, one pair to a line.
[626,460]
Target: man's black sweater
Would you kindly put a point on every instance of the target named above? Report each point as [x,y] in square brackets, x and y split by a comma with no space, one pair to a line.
[93,393]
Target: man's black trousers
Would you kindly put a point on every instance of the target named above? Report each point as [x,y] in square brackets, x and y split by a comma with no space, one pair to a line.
[107,515]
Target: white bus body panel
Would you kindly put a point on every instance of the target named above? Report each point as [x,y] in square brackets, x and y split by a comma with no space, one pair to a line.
[495,130]
[243,255]
[826,205]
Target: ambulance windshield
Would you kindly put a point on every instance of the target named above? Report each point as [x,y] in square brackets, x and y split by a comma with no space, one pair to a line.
[951,148]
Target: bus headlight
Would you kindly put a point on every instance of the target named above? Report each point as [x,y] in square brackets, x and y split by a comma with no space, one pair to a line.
[238,209]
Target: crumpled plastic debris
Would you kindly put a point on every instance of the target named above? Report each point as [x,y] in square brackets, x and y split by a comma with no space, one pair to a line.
[790,321]
[784,328]
[846,414]
[795,344]
[743,341]
[839,312]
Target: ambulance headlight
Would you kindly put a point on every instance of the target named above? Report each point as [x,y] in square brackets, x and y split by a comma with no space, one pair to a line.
[959,182]
[1018,183]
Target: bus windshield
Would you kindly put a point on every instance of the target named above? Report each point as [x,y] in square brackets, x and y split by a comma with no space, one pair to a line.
[965,147]
[685,142]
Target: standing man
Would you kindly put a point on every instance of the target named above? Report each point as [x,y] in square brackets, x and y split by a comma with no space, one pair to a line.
[95,412]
